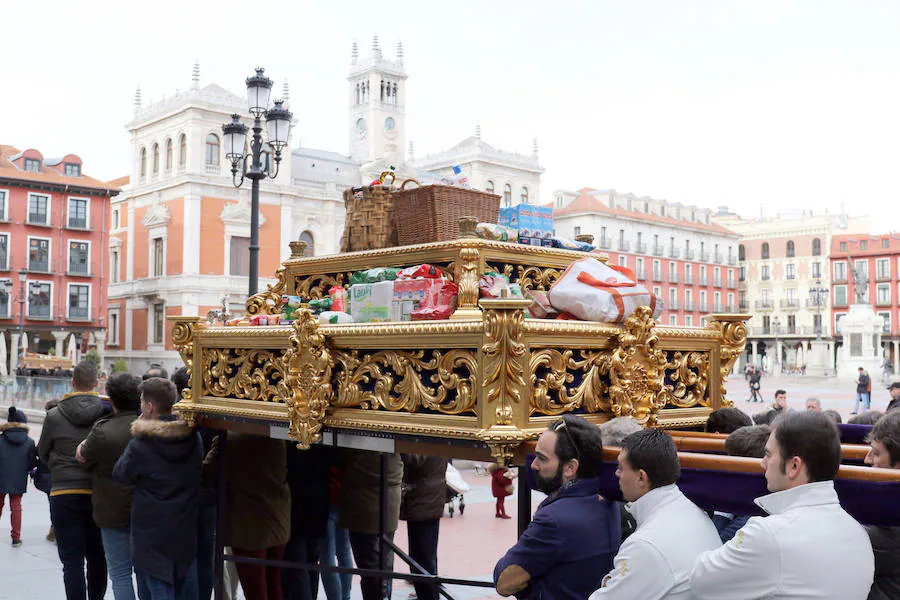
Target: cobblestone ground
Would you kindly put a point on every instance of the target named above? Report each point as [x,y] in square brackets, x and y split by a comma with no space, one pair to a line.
[470,544]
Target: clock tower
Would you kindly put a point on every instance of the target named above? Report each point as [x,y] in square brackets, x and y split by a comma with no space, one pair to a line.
[377,106]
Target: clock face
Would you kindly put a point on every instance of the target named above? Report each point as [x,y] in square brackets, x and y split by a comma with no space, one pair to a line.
[389,124]
[360,127]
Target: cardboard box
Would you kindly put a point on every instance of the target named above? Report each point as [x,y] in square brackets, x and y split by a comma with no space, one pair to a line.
[413,294]
[372,302]
[546,216]
[523,217]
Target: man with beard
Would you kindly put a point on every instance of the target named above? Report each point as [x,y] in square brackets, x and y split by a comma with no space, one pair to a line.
[574,534]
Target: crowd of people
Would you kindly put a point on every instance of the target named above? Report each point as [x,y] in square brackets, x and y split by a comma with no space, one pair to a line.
[658,544]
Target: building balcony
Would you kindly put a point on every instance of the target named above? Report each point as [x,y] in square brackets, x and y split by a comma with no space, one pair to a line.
[764,305]
[810,303]
[212,169]
[732,261]
[657,276]
[731,308]
[765,278]
[732,284]
[641,274]
[790,276]
[658,251]
[674,253]
[704,280]
[704,307]
[604,243]
[673,277]
[704,256]
[674,305]
[718,308]
[640,248]
[840,303]
[718,258]
[882,302]
[840,278]
[689,254]
[882,276]
[717,282]
[744,305]
[789,304]
[690,306]
[624,246]
[689,279]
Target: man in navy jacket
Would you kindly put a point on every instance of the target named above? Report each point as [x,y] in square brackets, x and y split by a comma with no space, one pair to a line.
[574,534]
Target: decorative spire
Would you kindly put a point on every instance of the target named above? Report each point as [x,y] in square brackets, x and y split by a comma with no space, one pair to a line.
[478,130]
[354,53]
[376,48]
[195,76]
[534,148]
[412,151]
[399,52]
[286,94]
[137,99]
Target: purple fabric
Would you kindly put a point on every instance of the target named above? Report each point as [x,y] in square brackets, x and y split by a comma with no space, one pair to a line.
[853,434]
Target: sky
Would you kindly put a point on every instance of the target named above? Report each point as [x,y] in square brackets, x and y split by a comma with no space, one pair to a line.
[761,106]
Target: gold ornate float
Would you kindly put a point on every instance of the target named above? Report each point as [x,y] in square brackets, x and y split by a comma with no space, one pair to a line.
[486,377]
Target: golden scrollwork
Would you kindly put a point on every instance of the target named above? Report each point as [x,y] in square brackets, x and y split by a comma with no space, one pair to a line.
[734,342]
[636,370]
[310,287]
[467,275]
[505,357]
[269,301]
[689,374]
[395,380]
[251,374]
[502,441]
[183,333]
[528,277]
[306,387]
[552,370]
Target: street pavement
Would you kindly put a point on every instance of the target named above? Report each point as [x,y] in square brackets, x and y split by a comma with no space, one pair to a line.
[469,545]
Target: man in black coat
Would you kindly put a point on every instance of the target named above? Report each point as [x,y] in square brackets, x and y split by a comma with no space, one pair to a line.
[163,462]
[424,495]
[885,453]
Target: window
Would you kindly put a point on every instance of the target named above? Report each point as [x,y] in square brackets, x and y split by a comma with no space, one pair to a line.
[310,243]
[38,209]
[688,297]
[883,268]
[155,159]
[489,188]
[673,297]
[689,320]
[4,215]
[765,295]
[765,250]
[840,295]
[837,322]
[4,250]
[622,260]
[688,273]
[72,170]
[143,162]
[78,213]
[883,294]
[168,154]
[507,194]
[843,246]
[817,247]
[114,266]
[731,300]
[886,328]
[39,254]
[115,219]
[112,333]
[764,272]
[79,257]
[840,271]
[158,257]
[577,230]
[790,271]
[40,294]
[862,266]
[523,195]
[673,319]
[5,291]
[182,151]
[159,320]
[886,243]
[33,165]
[791,295]
[789,250]
[730,277]
[864,245]
[79,301]
[742,273]
[212,149]
[817,270]
[239,254]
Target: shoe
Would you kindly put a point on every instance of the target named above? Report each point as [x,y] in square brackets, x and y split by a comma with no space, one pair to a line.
[16,543]
[51,536]
[505,517]
[498,516]
[853,413]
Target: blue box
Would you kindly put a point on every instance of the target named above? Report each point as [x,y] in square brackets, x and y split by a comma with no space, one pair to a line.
[525,218]
[546,216]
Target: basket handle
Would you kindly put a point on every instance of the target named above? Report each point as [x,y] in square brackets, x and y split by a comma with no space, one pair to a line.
[415,181]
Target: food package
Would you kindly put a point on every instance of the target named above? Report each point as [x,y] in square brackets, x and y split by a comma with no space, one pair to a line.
[257,320]
[540,305]
[334,317]
[371,302]
[374,275]
[523,217]
[594,291]
[339,298]
[427,271]
[567,244]
[432,313]
[289,307]
[546,216]
[494,285]
[235,322]
[412,294]
[498,233]
[321,304]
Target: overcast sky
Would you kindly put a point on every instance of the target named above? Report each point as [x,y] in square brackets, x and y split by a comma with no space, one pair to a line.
[755,105]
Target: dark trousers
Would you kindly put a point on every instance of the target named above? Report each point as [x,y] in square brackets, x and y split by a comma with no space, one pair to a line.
[423,547]
[257,581]
[365,553]
[78,540]
[206,529]
[298,584]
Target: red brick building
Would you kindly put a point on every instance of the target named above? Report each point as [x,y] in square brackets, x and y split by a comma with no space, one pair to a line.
[53,234]
[878,257]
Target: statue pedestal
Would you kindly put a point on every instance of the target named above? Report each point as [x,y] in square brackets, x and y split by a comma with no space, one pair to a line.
[861,330]
[819,360]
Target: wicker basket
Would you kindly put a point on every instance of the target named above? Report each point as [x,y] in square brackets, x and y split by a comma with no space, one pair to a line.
[370,222]
[431,213]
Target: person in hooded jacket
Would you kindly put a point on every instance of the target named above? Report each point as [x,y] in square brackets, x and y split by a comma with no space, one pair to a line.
[424,491]
[78,538]
[163,462]
[17,457]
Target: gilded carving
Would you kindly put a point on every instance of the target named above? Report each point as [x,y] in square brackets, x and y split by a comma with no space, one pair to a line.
[636,370]
[505,357]
[311,287]
[306,387]
[396,380]
[251,374]
[734,342]
[269,301]
[467,275]
[553,371]
[689,376]
[528,277]
[183,330]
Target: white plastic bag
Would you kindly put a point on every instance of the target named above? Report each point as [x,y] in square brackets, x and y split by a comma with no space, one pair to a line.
[593,291]
[455,480]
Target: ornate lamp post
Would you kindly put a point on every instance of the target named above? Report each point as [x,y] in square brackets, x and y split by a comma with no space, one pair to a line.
[817,295]
[278,127]
[776,325]
[21,300]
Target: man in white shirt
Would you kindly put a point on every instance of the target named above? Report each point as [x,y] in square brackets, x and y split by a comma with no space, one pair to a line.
[655,561]
[808,546]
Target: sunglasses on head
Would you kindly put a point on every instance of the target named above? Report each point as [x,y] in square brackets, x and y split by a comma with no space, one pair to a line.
[561,425]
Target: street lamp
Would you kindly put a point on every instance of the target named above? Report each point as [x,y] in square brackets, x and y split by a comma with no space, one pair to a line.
[278,128]
[776,323]
[817,296]
[23,274]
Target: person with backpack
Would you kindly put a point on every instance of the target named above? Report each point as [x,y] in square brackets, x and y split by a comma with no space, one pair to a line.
[863,391]
[17,458]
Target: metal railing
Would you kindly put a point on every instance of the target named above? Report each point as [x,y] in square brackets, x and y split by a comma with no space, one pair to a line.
[704,307]
[791,304]
[689,279]
[704,256]
[763,304]
[882,276]
[657,276]
[673,277]
[717,257]
[840,278]
[690,254]
[674,305]
[674,252]
[732,261]
[604,243]
[690,306]
[624,246]
[640,248]
[717,282]
[704,280]
[641,274]
[810,303]
[840,304]
[658,251]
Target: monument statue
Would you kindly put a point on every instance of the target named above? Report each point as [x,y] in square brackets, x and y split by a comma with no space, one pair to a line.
[860,283]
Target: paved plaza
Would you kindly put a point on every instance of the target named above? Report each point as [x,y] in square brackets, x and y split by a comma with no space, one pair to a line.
[469,544]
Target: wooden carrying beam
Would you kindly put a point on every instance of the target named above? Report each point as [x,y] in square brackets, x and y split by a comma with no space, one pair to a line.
[715,442]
